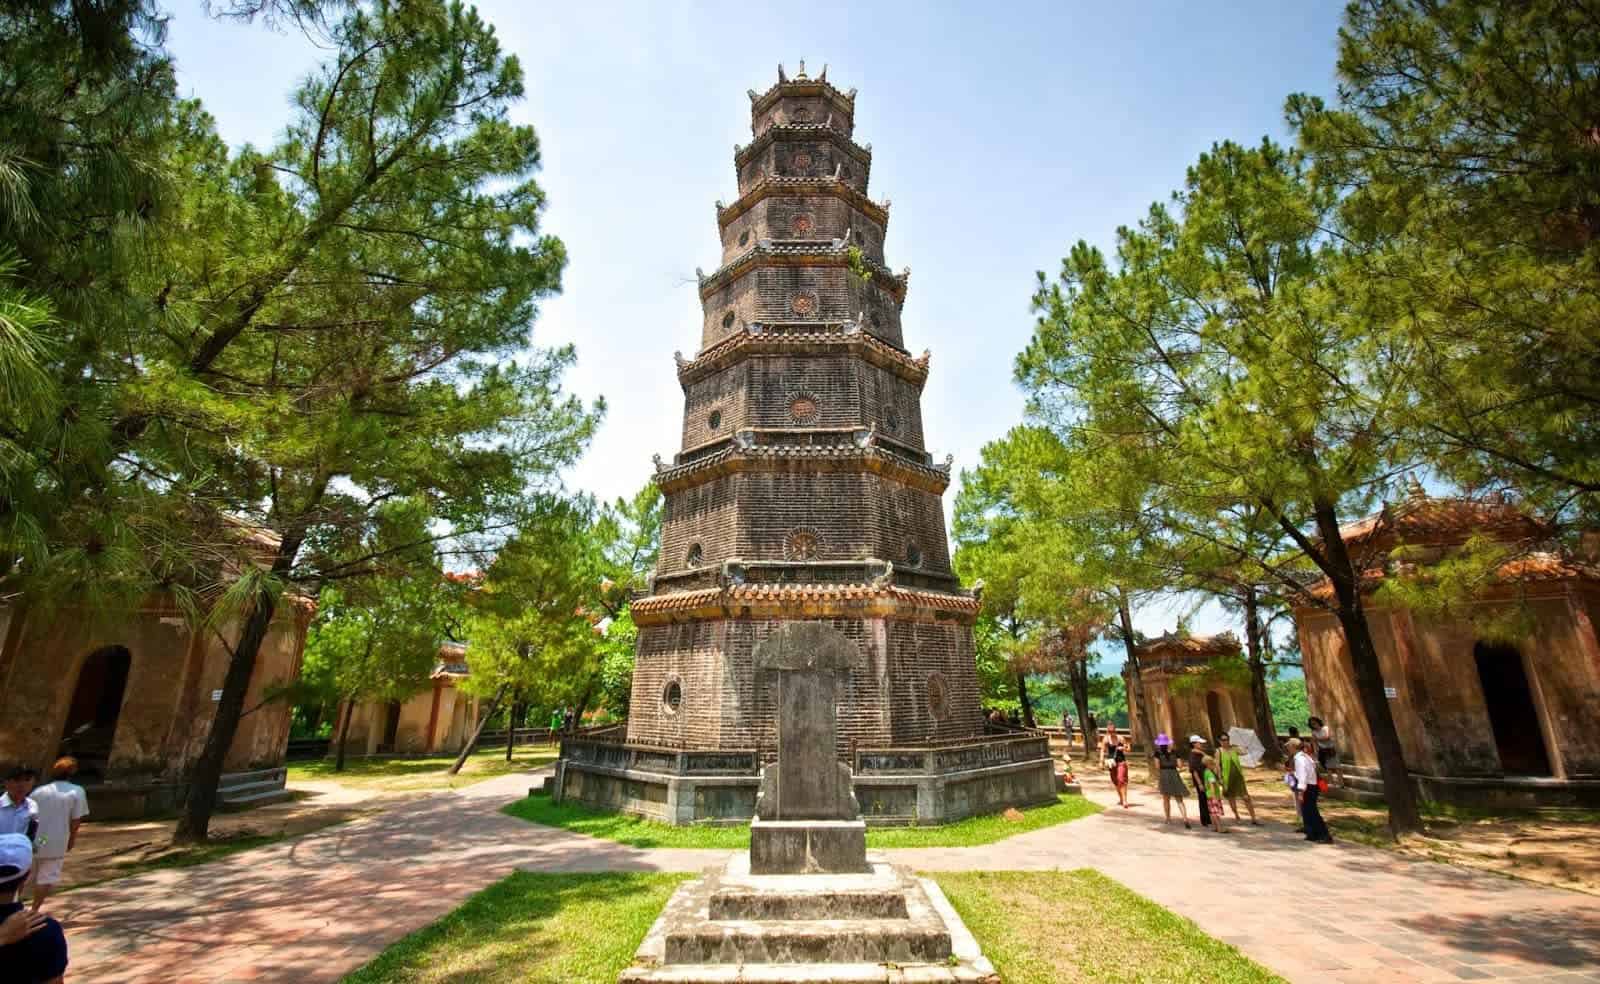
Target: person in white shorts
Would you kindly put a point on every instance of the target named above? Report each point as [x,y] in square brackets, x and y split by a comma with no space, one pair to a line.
[62,806]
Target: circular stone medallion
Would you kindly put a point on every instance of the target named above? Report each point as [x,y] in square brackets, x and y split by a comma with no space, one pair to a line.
[803,304]
[801,162]
[801,544]
[938,696]
[802,224]
[803,408]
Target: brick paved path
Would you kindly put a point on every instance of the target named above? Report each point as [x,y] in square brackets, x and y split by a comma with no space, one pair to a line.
[313,909]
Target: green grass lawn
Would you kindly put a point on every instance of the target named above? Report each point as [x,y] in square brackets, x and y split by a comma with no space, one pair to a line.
[1037,927]
[533,928]
[639,832]
[1063,927]
[420,773]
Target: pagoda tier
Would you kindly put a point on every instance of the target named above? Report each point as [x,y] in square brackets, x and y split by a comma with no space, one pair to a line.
[803,487]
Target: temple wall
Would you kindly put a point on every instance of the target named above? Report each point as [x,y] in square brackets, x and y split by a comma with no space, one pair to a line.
[166,708]
[1440,708]
[1185,713]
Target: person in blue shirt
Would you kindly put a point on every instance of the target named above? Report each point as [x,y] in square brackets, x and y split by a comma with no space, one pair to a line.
[33,949]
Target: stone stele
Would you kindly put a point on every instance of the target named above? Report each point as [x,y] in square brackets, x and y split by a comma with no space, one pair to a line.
[807,818]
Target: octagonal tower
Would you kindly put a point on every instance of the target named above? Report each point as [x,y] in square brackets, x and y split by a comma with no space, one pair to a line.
[803,489]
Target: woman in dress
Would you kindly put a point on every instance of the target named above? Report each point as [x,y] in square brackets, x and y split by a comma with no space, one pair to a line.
[1169,782]
[1114,755]
[1233,784]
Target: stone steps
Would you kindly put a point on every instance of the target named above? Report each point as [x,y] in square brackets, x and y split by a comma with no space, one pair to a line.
[752,904]
[243,790]
[864,973]
[835,941]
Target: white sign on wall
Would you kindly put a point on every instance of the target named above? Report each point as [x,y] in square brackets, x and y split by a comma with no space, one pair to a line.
[1388,692]
[217,695]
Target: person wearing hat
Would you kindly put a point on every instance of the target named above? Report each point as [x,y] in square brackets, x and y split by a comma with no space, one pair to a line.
[1197,772]
[33,949]
[1169,782]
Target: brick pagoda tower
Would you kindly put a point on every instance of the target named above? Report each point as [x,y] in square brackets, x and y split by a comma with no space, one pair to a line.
[803,489]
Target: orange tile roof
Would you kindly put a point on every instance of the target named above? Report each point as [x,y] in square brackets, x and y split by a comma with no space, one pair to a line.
[744,594]
[1427,520]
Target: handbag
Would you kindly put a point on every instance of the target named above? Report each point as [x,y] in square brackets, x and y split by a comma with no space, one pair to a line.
[1109,762]
[1322,784]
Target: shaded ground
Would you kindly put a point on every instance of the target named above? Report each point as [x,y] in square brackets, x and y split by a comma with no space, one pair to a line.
[410,774]
[1044,927]
[116,849]
[1551,849]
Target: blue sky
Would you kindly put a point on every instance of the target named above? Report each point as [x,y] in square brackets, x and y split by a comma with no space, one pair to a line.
[1002,133]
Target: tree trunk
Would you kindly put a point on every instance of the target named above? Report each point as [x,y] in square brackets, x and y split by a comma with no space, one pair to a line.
[1136,699]
[583,704]
[1401,798]
[1078,677]
[1022,694]
[494,705]
[1265,729]
[194,825]
[511,729]
[344,733]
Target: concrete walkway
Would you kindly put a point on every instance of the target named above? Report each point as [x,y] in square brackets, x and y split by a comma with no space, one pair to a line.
[313,909]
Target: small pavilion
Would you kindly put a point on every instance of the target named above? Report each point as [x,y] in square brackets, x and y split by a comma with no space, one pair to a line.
[1185,693]
[1485,721]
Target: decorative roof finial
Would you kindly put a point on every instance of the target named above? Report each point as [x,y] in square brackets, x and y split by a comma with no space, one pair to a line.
[782,77]
[752,94]
[824,76]
[802,73]
[1414,490]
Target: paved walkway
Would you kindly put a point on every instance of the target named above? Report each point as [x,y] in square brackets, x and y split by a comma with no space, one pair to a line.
[314,909]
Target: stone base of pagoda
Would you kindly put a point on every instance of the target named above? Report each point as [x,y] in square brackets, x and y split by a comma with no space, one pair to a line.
[895,786]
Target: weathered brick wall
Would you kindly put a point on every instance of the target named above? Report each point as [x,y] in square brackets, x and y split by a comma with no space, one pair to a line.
[917,651]
[811,157]
[802,217]
[803,109]
[854,515]
[768,294]
[848,392]
[884,701]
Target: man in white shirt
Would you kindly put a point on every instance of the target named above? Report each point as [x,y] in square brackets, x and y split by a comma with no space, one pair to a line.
[1307,793]
[62,806]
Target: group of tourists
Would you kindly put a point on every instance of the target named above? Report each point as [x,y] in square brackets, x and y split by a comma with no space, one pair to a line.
[1219,779]
[38,826]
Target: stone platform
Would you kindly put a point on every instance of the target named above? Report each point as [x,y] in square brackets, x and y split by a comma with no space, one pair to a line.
[883,925]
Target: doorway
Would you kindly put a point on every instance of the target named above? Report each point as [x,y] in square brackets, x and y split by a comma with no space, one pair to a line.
[391,727]
[1512,715]
[96,704]
[1214,713]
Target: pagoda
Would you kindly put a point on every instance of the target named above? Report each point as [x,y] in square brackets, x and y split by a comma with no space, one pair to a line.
[803,491]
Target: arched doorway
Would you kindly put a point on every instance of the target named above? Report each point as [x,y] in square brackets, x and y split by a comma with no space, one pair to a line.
[1214,713]
[1513,718]
[96,703]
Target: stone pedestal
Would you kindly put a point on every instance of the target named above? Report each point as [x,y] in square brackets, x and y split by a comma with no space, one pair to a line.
[879,925]
[800,847]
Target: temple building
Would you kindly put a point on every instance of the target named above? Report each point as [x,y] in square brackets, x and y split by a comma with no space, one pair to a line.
[1485,721]
[437,720]
[131,694]
[1186,694]
[804,490]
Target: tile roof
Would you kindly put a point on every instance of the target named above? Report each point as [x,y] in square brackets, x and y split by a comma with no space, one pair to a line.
[778,339]
[788,184]
[836,251]
[1421,519]
[800,594]
[1189,648]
